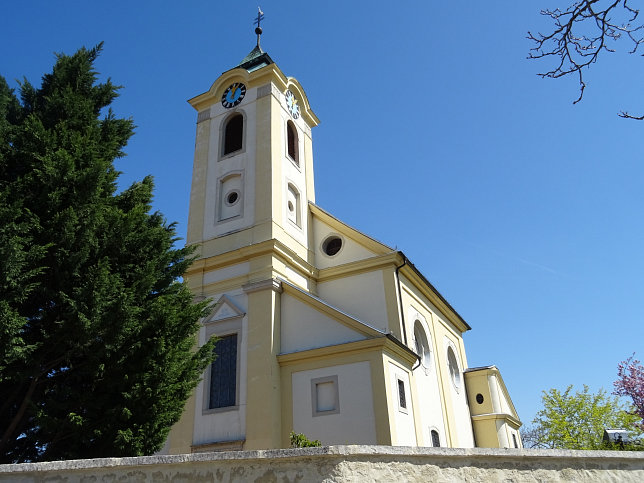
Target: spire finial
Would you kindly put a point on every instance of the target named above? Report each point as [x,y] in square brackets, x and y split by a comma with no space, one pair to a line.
[258,20]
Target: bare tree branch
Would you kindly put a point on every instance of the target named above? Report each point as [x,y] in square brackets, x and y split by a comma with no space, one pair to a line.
[582,32]
[626,115]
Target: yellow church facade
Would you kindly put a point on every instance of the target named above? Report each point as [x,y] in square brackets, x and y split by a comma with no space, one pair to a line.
[322,330]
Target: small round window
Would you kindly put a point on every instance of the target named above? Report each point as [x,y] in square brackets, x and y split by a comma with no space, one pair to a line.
[454,371]
[291,207]
[232,198]
[332,245]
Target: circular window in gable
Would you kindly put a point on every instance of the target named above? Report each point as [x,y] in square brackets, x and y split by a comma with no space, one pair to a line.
[332,245]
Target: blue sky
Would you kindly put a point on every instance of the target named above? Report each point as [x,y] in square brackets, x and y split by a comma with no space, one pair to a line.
[436,137]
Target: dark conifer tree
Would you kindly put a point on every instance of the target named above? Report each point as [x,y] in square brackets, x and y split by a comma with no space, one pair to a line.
[97,333]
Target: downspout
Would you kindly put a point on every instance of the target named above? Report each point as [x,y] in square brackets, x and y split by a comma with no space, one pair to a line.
[400,301]
[419,362]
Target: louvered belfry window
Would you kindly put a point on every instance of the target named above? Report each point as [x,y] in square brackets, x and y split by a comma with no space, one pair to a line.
[223,373]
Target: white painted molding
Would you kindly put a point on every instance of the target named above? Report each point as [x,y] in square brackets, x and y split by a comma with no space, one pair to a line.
[271,283]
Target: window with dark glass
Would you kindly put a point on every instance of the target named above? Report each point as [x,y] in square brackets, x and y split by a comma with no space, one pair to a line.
[293,147]
[223,373]
[332,245]
[234,134]
[401,394]
[436,441]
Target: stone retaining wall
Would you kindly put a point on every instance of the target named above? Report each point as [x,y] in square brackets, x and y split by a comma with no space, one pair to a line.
[345,464]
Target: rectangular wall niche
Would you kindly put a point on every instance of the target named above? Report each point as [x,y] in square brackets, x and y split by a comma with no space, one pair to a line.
[231,195]
[325,397]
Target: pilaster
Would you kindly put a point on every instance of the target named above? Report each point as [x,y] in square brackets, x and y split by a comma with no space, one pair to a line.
[263,412]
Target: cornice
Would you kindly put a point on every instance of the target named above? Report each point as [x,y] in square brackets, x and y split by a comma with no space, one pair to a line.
[257,78]
[383,343]
[505,416]
[269,284]
[232,257]
[359,266]
[243,254]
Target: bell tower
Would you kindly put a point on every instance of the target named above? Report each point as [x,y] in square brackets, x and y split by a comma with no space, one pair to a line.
[253,165]
[252,182]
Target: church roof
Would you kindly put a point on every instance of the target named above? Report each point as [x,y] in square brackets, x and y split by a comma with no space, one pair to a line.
[256,59]
[381,248]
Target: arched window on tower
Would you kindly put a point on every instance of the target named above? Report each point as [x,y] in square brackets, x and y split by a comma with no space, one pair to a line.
[233,134]
[293,147]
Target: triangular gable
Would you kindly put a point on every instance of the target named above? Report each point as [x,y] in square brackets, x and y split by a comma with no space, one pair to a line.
[224,309]
[308,323]
[371,244]
[505,395]
[355,245]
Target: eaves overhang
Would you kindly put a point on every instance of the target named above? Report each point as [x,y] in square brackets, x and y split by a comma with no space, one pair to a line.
[410,267]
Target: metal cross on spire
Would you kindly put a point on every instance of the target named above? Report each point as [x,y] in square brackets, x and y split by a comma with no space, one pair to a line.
[258,20]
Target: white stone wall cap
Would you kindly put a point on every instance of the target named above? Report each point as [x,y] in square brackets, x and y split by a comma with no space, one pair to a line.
[393,453]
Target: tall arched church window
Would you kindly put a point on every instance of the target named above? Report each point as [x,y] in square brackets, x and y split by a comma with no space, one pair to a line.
[233,134]
[293,147]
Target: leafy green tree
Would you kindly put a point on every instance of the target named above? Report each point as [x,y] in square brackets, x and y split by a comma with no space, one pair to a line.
[97,333]
[577,420]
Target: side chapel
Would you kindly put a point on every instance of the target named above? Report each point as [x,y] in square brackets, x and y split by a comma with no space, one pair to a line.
[322,330]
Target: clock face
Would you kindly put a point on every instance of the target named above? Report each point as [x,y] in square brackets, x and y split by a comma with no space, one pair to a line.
[233,95]
[292,105]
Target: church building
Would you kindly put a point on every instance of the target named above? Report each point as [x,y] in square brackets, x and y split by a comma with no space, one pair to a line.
[322,330]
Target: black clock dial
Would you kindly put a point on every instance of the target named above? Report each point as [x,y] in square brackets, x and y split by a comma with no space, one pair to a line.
[233,95]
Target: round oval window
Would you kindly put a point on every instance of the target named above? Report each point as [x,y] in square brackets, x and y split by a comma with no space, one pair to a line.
[332,245]
[454,371]
[422,346]
[232,197]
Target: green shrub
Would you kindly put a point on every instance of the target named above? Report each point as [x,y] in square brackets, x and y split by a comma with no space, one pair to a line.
[301,441]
